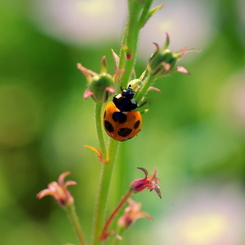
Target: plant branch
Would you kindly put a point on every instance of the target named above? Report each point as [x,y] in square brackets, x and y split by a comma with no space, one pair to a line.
[113,214]
[75,222]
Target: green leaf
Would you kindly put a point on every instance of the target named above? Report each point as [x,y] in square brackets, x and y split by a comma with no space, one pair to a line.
[148,15]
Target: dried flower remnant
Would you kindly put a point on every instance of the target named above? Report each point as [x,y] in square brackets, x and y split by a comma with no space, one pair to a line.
[131,213]
[59,191]
[146,183]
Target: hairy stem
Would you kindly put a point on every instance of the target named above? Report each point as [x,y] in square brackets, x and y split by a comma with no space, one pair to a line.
[130,40]
[99,128]
[104,184]
[75,222]
[148,81]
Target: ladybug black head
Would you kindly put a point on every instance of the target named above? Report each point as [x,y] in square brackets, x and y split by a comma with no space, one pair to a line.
[128,93]
[125,100]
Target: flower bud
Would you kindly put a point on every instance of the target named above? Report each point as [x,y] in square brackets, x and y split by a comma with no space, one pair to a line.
[99,86]
[163,61]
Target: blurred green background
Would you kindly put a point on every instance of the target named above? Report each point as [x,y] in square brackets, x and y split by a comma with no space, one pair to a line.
[194,132]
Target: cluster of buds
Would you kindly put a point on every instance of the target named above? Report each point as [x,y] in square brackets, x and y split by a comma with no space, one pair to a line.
[162,62]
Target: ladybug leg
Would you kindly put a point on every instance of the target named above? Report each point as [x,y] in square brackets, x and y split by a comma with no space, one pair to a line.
[143,103]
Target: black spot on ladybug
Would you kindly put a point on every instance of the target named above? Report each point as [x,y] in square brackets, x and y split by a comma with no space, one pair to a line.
[108,126]
[119,117]
[124,132]
[127,139]
[136,124]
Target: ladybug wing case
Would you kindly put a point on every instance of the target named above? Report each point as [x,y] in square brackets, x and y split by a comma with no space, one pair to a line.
[119,125]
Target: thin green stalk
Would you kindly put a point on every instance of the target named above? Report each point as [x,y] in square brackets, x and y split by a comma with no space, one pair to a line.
[122,52]
[99,128]
[75,222]
[131,39]
[148,81]
[104,184]
[129,45]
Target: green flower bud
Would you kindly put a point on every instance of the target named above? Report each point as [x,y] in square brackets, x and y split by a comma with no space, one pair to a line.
[100,86]
[163,61]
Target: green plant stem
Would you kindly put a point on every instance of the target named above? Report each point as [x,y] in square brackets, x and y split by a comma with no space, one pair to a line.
[122,52]
[99,128]
[129,46]
[148,81]
[145,11]
[104,184]
[130,40]
[113,214]
[75,222]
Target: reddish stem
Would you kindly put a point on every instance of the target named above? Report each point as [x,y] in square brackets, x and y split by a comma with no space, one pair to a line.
[104,232]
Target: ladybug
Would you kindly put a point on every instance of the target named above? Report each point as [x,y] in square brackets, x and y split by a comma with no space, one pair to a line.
[121,121]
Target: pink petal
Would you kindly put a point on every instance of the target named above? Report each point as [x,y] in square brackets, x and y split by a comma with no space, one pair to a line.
[166,66]
[44,193]
[53,186]
[62,177]
[154,88]
[142,214]
[116,59]
[182,70]
[87,93]
[87,73]
[117,74]
[70,182]
[111,89]
[157,190]
[145,171]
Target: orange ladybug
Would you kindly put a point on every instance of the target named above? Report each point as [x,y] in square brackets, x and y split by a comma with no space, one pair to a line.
[121,121]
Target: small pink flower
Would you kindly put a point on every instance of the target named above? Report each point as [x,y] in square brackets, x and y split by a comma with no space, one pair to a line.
[59,191]
[146,183]
[131,214]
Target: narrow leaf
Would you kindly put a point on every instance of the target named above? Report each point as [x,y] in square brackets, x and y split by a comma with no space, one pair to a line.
[150,14]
